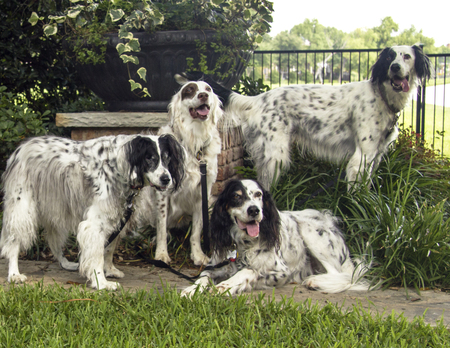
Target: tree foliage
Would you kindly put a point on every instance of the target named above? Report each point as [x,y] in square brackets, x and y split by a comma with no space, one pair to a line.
[34,66]
[314,36]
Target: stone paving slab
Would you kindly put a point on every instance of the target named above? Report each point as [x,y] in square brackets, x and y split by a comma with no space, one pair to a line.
[434,304]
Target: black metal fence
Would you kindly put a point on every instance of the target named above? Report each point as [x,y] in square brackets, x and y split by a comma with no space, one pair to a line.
[425,114]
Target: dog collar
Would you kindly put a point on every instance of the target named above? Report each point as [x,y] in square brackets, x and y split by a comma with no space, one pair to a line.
[232,255]
[395,112]
[199,154]
[383,96]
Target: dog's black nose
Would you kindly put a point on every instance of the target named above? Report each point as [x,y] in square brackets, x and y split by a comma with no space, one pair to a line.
[165,179]
[253,211]
[395,67]
[203,96]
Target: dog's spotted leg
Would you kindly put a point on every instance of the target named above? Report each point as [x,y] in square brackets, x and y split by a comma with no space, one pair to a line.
[110,270]
[56,240]
[14,275]
[161,229]
[197,254]
[91,238]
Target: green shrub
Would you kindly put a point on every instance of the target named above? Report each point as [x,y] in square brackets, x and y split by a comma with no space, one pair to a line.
[17,121]
[34,66]
[400,220]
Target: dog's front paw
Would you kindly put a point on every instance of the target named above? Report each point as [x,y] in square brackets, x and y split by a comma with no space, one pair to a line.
[200,259]
[113,272]
[224,287]
[191,290]
[105,285]
[310,284]
[17,278]
[163,256]
[199,286]
[69,266]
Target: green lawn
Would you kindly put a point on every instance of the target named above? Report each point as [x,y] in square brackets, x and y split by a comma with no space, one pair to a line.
[37,316]
[436,128]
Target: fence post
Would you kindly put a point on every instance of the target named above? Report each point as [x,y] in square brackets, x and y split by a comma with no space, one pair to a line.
[419,110]
[424,87]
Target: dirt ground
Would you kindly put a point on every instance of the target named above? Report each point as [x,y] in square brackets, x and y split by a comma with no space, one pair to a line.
[435,304]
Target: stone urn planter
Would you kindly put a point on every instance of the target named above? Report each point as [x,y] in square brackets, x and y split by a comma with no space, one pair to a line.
[163,54]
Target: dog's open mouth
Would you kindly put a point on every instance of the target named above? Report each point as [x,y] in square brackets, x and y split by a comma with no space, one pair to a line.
[252,227]
[159,188]
[201,112]
[400,83]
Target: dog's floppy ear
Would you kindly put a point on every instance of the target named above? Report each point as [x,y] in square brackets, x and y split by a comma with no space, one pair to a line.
[381,66]
[181,79]
[269,228]
[216,110]
[422,64]
[177,157]
[190,76]
[221,224]
[137,150]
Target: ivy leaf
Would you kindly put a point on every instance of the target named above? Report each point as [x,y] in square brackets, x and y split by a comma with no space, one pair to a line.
[116,14]
[142,72]
[129,59]
[57,19]
[50,29]
[124,33]
[134,45]
[73,13]
[34,18]
[268,18]
[134,85]
[258,39]
[121,48]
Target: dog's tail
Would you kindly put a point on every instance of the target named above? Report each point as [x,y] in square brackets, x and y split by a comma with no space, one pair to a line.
[350,277]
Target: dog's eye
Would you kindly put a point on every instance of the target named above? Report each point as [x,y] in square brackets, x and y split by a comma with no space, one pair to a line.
[208,89]
[258,194]
[406,57]
[236,196]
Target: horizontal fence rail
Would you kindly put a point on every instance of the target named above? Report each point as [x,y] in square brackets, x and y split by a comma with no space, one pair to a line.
[425,114]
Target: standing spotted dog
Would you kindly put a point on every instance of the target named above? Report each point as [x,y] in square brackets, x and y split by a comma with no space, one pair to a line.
[82,187]
[355,121]
[194,114]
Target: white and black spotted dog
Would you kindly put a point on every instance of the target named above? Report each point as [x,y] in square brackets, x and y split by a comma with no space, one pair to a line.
[194,114]
[68,186]
[355,121]
[275,247]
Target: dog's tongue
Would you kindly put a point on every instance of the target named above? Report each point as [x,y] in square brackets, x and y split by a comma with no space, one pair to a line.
[203,110]
[404,83]
[252,227]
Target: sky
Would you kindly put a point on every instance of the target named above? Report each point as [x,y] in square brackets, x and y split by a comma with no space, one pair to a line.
[348,15]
